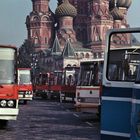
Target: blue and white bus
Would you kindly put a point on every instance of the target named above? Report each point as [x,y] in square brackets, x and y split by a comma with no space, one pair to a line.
[120,102]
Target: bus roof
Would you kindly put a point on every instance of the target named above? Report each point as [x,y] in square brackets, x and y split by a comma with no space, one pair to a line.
[92,60]
[7,46]
[124,48]
[24,68]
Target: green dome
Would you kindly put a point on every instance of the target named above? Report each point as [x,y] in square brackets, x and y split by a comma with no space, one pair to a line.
[66,9]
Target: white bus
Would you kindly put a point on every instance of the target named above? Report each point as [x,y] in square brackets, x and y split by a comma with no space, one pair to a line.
[89,86]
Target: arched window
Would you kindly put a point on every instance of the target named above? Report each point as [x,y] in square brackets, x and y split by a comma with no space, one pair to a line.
[45,18]
[87,55]
[36,40]
[35,18]
[82,55]
[76,55]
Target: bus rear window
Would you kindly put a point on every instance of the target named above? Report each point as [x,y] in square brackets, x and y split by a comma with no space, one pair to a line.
[123,57]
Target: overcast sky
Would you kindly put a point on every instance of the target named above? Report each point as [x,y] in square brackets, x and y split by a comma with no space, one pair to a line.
[13,16]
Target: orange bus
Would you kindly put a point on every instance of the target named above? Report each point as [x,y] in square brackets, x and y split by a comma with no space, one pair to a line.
[8,84]
[25,88]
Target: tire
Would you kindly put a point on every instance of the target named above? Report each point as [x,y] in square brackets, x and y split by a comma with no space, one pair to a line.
[3,124]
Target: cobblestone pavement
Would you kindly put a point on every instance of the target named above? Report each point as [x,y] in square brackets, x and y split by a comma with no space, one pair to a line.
[49,120]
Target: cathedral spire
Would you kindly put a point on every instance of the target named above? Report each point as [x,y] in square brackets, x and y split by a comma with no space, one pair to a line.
[68,50]
[56,50]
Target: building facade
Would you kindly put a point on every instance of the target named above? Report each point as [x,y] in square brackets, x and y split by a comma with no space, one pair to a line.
[74,32]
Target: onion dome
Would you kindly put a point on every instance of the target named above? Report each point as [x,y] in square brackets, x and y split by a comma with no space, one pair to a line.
[119,3]
[123,3]
[117,14]
[66,9]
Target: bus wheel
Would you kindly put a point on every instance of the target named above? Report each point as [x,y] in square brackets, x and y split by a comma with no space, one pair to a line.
[3,124]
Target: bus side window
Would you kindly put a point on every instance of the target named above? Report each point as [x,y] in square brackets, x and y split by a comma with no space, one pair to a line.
[138,75]
[112,72]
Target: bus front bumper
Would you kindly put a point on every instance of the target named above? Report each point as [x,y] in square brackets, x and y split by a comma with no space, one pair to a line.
[25,97]
[86,107]
[8,113]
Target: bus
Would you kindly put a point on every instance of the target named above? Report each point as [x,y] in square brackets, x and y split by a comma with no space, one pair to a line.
[40,85]
[88,89]
[120,100]
[55,84]
[69,82]
[25,89]
[8,84]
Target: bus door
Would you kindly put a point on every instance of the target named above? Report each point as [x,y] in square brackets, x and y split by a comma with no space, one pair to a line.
[55,85]
[41,86]
[118,79]
[69,83]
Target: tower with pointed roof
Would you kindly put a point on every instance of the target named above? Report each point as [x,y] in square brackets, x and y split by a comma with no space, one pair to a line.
[40,25]
[56,49]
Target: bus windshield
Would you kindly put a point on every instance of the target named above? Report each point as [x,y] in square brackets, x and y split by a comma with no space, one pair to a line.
[138,75]
[90,73]
[25,79]
[71,75]
[7,66]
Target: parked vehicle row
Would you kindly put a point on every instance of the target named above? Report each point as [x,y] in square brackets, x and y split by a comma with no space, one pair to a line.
[59,84]
[111,84]
[119,86]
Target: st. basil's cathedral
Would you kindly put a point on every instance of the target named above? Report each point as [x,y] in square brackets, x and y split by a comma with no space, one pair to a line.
[76,31]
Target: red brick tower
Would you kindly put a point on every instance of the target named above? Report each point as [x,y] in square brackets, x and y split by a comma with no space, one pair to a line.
[91,23]
[40,25]
[99,22]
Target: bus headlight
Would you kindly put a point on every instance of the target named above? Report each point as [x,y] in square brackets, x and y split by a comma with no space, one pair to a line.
[10,103]
[3,103]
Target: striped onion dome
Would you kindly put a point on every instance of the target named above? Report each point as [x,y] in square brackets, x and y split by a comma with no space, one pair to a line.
[117,14]
[66,9]
[123,3]
[119,3]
